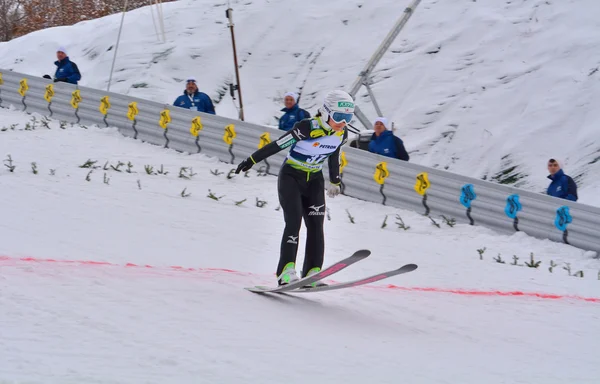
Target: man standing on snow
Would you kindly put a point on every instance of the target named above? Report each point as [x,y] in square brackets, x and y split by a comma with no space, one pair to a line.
[66,71]
[562,186]
[293,113]
[384,142]
[195,100]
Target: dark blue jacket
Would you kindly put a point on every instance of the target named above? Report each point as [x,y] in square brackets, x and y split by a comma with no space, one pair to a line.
[198,102]
[67,71]
[562,186]
[291,116]
[388,144]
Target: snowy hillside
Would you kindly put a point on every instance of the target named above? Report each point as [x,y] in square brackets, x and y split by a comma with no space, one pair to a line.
[122,273]
[489,89]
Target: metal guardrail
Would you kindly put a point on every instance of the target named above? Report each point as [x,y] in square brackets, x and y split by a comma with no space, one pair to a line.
[365,175]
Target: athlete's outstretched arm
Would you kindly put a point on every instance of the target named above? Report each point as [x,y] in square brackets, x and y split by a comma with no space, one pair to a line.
[301,131]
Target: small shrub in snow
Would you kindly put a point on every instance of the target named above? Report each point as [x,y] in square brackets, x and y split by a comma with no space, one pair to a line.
[117,167]
[238,203]
[231,174]
[34,168]
[498,259]
[162,171]
[184,194]
[350,217]
[552,265]
[106,179]
[451,222]
[129,167]
[434,222]
[384,224]
[260,203]
[89,164]
[481,251]
[139,183]
[45,122]
[516,261]
[532,263]
[328,214]
[182,173]
[567,268]
[52,172]
[8,163]
[400,223]
[88,176]
[216,172]
[213,196]
[149,170]
[578,274]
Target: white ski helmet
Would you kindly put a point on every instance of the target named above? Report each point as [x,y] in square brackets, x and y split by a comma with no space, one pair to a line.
[338,105]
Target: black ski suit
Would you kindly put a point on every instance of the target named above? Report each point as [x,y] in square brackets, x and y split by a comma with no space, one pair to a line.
[301,186]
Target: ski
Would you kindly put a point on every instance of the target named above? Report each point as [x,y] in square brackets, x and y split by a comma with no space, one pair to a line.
[355,283]
[356,257]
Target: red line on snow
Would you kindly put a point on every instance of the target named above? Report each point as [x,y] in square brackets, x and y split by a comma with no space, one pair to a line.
[464,292]
[472,292]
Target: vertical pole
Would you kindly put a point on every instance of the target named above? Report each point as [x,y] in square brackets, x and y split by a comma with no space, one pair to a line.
[112,68]
[229,16]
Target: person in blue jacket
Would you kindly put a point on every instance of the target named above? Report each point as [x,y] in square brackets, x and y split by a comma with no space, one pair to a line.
[293,113]
[562,186]
[195,100]
[66,70]
[384,142]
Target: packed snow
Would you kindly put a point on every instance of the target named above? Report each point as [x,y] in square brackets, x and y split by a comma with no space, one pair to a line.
[490,89]
[120,276]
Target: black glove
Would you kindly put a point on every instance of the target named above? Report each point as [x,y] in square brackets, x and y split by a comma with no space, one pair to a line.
[245,165]
[47,77]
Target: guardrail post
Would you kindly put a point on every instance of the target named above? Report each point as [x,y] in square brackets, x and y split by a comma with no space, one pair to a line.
[466,197]
[513,206]
[421,187]
[228,139]
[195,130]
[381,173]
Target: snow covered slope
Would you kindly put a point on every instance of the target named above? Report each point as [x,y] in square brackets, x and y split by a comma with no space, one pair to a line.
[112,276]
[489,89]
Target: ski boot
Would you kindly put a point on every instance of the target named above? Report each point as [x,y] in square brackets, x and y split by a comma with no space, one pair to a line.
[311,272]
[288,275]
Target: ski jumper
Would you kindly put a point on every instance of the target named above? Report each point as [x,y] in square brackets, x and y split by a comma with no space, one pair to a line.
[301,186]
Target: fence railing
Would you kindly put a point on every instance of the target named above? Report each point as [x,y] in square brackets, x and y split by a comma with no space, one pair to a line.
[364,175]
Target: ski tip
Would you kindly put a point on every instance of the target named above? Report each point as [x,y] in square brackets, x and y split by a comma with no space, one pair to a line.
[257,289]
[409,267]
[362,253]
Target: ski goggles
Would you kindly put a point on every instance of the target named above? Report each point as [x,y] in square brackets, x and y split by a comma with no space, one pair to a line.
[339,117]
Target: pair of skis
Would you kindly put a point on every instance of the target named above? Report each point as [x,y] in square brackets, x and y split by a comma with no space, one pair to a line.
[300,285]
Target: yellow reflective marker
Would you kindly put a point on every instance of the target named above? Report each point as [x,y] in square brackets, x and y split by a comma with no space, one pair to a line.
[265,139]
[165,118]
[343,161]
[381,173]
[75,98]
[1,79]
[422,183]
[196,126]
[229,134]
[132,111]
[49,94]
[23,87]
[104,105]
